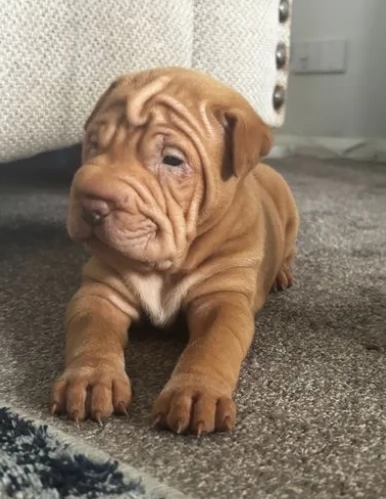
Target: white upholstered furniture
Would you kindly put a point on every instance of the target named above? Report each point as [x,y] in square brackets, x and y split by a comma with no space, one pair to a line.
[57,56]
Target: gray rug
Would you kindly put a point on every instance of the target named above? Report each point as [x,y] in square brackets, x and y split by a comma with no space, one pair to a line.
[39,462]
[312,394]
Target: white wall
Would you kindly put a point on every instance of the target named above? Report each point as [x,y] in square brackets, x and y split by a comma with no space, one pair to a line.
[352,104]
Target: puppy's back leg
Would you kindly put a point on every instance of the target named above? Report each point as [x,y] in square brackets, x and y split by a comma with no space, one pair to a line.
[284,278]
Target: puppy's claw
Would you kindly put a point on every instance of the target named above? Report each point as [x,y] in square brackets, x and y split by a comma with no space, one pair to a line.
[180,426]
[98,419]
[122,409]
[200,429]
[157,420]
[54,408]
[228,426]
[74,416]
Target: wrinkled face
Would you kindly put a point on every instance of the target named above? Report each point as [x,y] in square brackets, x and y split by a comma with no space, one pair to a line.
[152,162]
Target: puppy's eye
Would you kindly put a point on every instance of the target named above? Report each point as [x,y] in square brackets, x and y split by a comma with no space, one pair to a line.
[92,143]
[171,160]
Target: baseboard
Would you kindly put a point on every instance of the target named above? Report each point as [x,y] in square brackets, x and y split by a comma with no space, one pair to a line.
[356,148]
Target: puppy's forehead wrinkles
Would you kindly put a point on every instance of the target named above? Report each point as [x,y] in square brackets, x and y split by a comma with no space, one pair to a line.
[182,112]
[204,108]
[136,102]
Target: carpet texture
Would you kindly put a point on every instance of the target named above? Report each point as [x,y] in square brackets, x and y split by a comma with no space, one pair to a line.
[37,462]
[312,393]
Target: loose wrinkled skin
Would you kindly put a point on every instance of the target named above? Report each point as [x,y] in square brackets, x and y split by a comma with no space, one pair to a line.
[178,214]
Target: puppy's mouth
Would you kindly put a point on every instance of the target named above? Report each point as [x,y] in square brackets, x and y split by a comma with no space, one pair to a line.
[120,230]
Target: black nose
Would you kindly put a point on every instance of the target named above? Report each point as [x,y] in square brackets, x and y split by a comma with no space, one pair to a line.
[94,211]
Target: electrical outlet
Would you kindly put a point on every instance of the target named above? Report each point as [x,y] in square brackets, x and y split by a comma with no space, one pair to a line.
[319,56]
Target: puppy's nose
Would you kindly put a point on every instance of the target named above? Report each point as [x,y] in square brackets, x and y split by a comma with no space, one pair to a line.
[94,211]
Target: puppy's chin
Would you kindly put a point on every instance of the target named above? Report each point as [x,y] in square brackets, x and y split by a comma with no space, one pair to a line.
[133,257]
[135,250]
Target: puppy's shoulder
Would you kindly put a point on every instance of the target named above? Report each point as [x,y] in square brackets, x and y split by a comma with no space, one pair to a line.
[266,175]
[271,181]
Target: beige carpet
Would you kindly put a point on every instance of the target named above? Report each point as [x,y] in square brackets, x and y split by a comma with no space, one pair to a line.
[312,396]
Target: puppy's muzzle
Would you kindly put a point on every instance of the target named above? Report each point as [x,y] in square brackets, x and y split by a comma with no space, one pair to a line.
[94,211]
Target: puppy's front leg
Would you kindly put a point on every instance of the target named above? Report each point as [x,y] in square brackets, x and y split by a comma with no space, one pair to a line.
[94,382]
[198,396]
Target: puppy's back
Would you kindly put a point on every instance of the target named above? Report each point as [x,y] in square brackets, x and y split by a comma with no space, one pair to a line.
[276,187]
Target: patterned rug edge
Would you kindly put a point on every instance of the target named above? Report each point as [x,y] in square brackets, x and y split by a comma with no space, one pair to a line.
[39,460]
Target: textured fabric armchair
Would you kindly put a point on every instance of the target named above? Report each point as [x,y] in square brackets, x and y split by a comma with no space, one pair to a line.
[56,57]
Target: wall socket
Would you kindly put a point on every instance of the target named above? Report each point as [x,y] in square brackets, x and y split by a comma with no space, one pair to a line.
[319,56]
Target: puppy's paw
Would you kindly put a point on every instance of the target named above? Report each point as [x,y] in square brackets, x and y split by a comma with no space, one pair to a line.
[95,392]
[284,279]
[195,408]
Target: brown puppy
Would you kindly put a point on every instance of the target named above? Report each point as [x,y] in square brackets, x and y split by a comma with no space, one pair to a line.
[178,214]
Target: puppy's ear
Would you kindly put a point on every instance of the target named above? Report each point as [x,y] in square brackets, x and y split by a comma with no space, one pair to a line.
[248,139]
